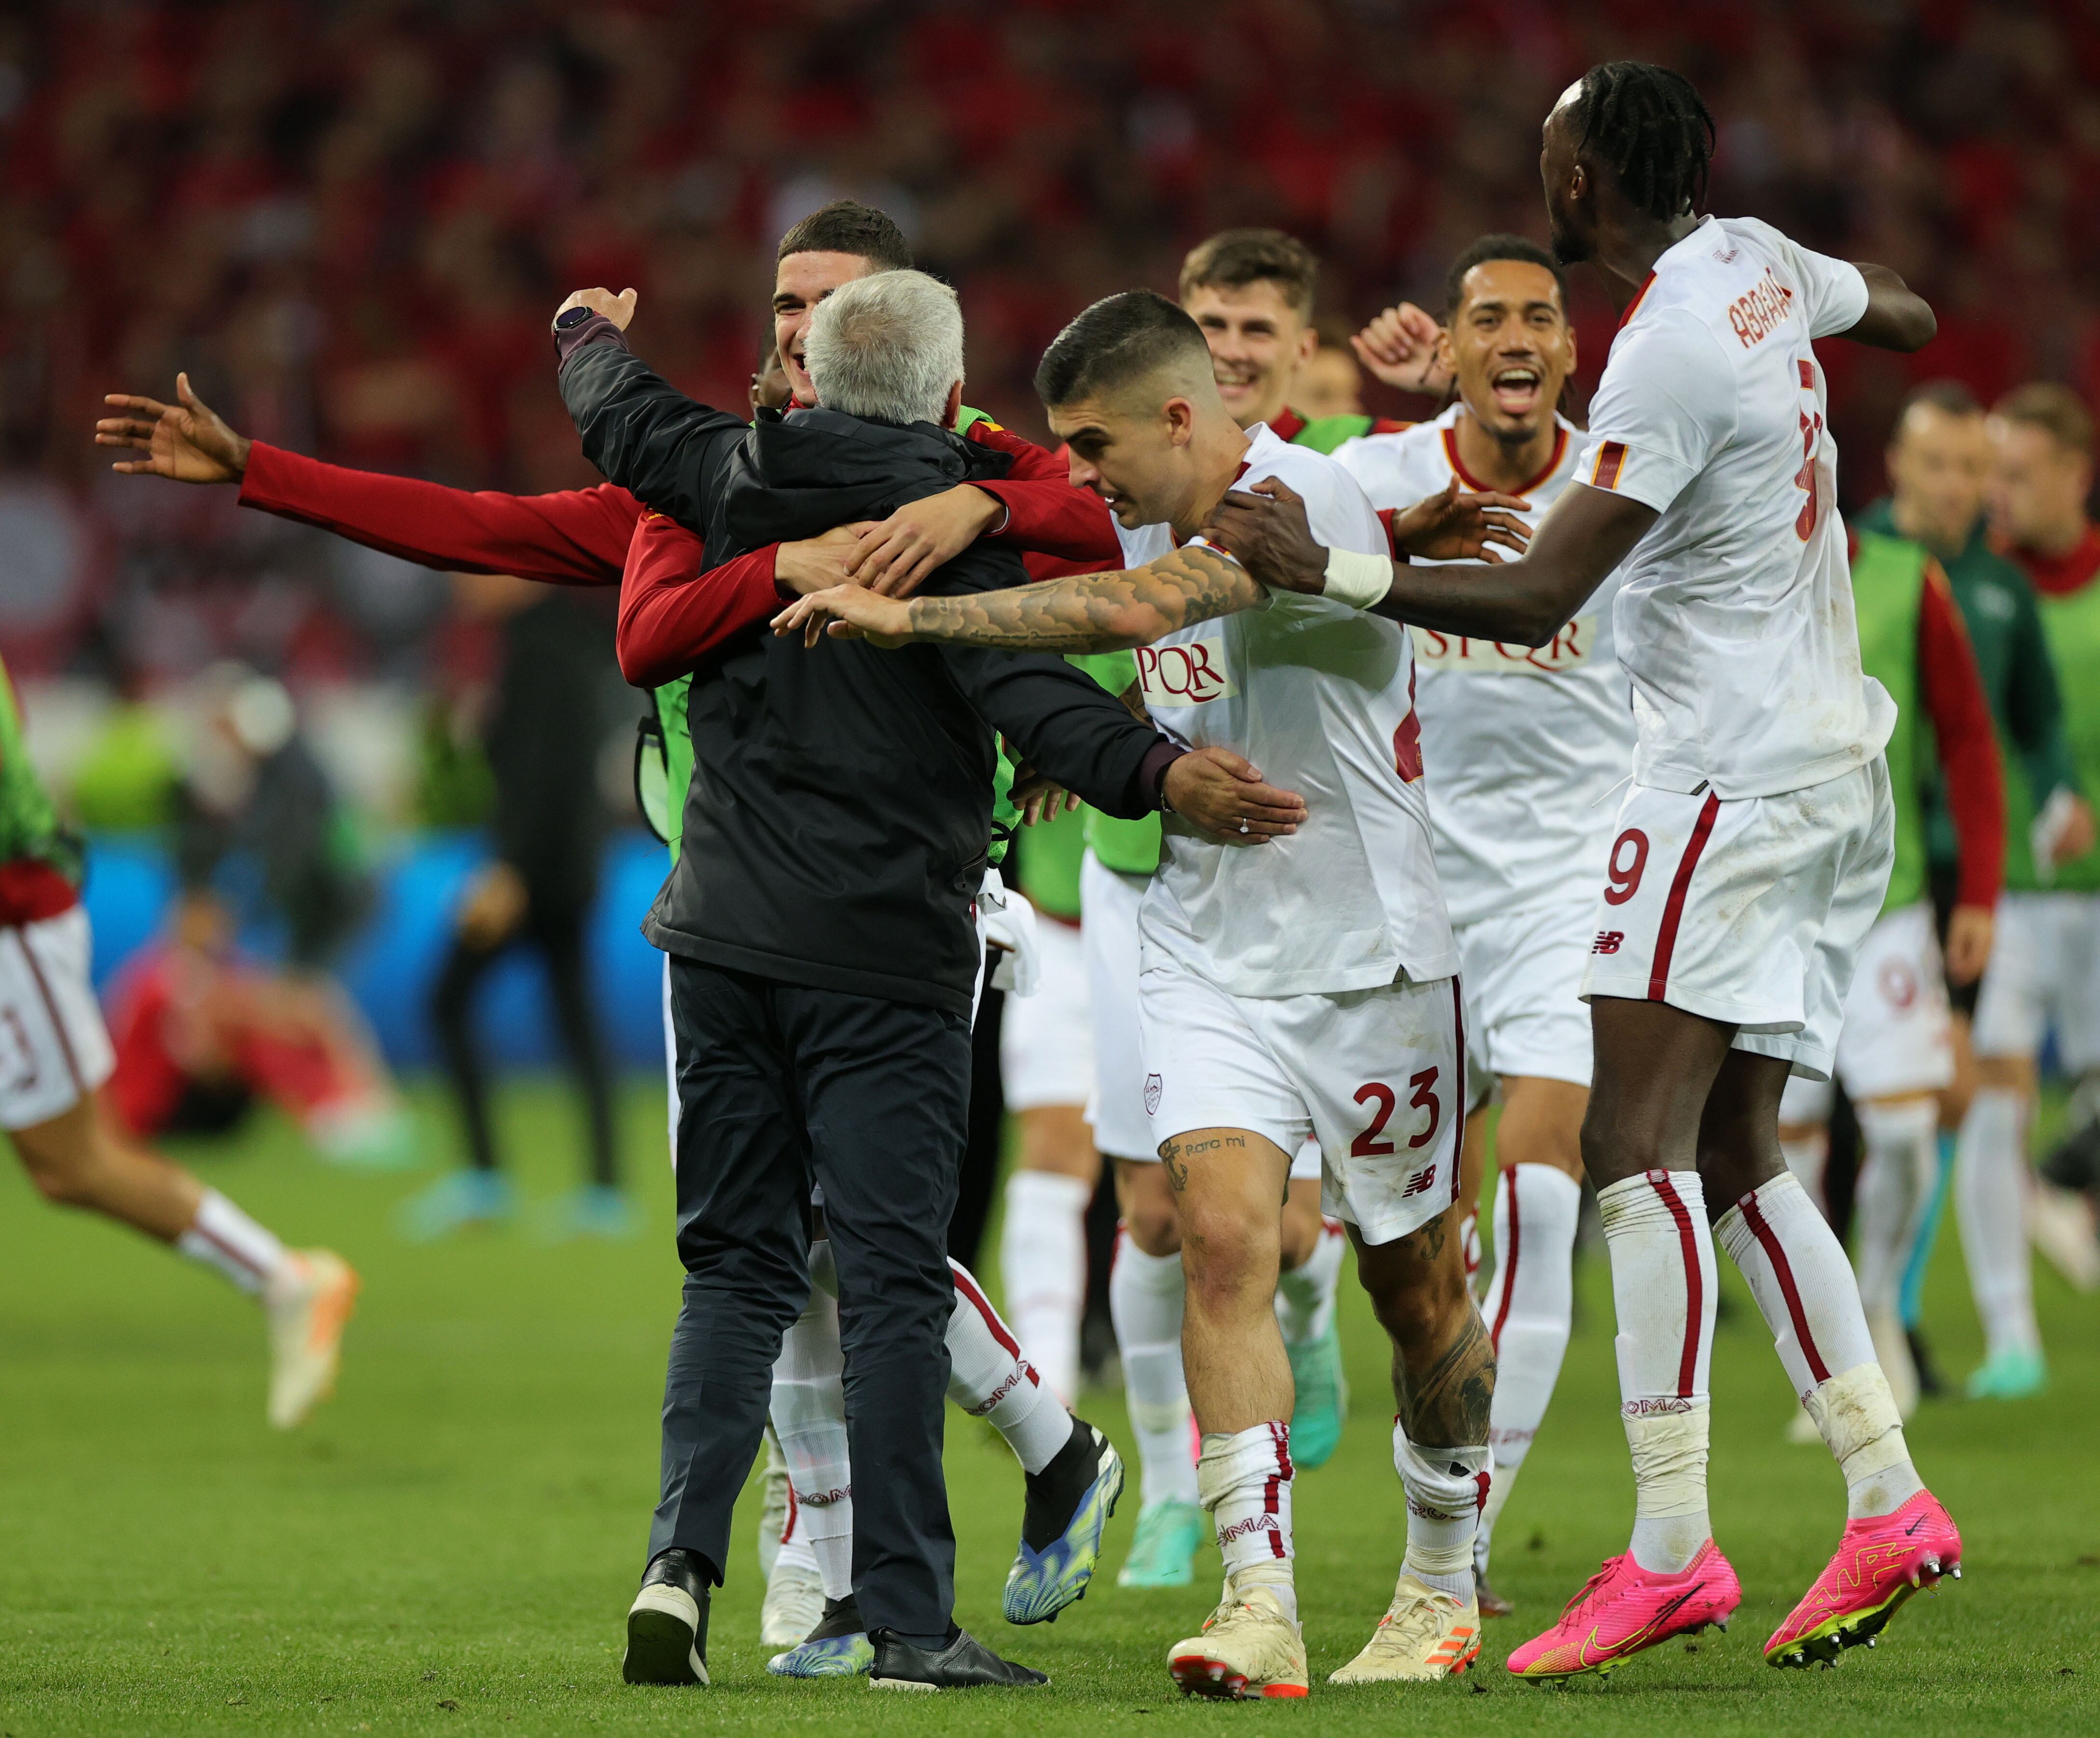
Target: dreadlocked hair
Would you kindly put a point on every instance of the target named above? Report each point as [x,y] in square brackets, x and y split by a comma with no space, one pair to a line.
[1647,125]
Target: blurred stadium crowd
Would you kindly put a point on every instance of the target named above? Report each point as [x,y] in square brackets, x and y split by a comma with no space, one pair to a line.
[350,221]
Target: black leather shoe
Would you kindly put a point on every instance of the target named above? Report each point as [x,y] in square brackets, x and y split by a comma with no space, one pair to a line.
[667,1626]
[964,1664]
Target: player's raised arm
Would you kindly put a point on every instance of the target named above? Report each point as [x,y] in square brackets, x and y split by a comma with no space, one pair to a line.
[1080,613]
[1897,316]
[1524,602]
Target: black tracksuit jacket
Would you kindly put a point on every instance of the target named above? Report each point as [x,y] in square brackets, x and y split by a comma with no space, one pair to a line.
[837,824]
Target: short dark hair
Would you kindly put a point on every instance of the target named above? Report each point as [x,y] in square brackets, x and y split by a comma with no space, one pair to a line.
[1490,248]
[1236,257]
[1949,397]
[1120,340]
[2055,409]
[846,226]
[1647,125]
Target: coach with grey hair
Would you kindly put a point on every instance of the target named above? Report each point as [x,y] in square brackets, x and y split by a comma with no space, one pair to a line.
[823,952]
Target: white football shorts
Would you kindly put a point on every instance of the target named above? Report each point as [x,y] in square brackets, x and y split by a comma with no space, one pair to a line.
[1046,1038]
[54,1047]
[1523,973]
[1108,901]
[1751,911]
[2044,975]
[1376,1078]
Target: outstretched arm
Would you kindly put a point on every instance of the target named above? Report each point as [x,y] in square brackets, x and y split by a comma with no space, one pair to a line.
[1080,613]
[1897,317]
[1525,602]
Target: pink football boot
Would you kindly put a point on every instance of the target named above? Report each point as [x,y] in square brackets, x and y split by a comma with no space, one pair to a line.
[1623,1608]
[1880,1563]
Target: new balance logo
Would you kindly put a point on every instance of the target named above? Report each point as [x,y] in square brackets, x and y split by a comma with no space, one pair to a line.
[1418,1181]
[1608,941]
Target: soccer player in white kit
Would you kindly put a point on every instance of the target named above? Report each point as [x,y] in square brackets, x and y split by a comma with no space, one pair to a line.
[1526,750]
[1304,988]
[1752,847]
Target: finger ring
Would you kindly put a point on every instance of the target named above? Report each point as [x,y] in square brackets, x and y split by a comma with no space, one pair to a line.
[1242,823]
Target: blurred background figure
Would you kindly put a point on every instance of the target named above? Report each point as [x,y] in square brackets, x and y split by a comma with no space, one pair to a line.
[542,738]
[1329,382]
[203,1034]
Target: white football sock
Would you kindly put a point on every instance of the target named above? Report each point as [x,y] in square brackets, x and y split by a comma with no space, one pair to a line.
[1146,1303]
[1808,1157]
[1663,1288]
[1899,1167]
[1446,1488]
[809,1412]
[1305,1294]
[222,1236]
[989,1378]
[1244,1481]
[1043,1257]
[1805,1290]
[1528,1310]
[1804,1286]
[795,1553]
[1990,1200]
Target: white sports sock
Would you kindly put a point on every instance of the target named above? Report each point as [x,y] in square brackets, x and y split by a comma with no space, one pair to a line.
[1244,1478]
[222,1236]
[1446,1489]
[1990,1200]
[1808,1157]
[1663,1288]
[1803,1284]
[1899,1167]
[1043,1257]
[809,1412]
[1146,1303]
[1797,1272]
[795,1553]
[1528,1310]
[989,1378]
[1305,1294]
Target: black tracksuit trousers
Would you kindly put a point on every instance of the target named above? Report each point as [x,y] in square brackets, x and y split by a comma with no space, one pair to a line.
[780,1086]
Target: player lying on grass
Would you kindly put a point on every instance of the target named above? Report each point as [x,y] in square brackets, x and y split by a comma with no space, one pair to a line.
[1303,989]
[56,1057]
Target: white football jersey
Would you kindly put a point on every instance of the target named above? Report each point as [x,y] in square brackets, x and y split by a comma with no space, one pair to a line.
[1525,747]
[1320,697]
[1734,612]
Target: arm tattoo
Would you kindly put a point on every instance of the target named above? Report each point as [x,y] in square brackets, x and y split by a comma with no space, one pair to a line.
[1447,1405]
[1093,612]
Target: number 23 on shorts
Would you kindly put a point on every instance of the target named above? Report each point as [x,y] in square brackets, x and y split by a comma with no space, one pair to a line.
[1371,1143]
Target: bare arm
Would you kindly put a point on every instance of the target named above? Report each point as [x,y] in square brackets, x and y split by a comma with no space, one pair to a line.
[1525,602]
[1897,317]
[1080,613]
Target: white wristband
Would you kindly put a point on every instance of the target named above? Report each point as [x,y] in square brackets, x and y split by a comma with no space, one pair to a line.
[1357,580]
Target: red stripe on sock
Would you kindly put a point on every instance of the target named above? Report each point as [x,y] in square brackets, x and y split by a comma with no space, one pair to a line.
[1694,1294]
[1673,910]
[1783,1271]
[237,1257]
[1508,1277]
[1482,1480]
[967,1286]
[794,1509]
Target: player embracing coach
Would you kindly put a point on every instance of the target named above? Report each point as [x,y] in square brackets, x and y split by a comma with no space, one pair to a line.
[823,954]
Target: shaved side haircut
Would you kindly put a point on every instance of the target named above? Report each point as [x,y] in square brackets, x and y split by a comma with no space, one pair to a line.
[1119,341]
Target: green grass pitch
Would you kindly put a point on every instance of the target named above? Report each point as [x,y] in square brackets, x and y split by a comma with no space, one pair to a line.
[450,1545]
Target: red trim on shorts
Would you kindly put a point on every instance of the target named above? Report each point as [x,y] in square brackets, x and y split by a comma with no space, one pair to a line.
[31,890]
[1783,1271]
[967,1286]
[51,1008]
[1673,910]
[1508,1274]
[1695,1292]
[1459,1022]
